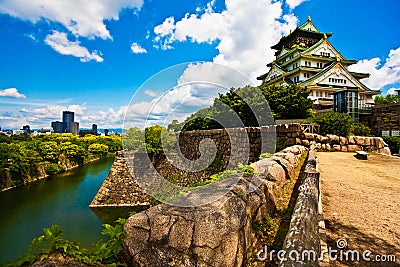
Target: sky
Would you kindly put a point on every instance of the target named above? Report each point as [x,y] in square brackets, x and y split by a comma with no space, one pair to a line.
[104,59]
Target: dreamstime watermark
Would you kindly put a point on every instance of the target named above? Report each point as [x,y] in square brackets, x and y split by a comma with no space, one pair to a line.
[340,253]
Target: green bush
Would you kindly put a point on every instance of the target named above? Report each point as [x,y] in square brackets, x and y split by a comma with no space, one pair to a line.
[361,130]
[393,143]
[332,122]
[53,168]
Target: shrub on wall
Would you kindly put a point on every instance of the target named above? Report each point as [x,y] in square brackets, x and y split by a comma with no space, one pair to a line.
[361,130]
[333,123]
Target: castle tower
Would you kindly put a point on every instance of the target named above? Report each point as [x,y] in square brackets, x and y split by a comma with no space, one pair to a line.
[306,57]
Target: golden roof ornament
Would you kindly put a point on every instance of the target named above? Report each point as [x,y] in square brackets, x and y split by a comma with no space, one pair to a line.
[309,18]
[325,37]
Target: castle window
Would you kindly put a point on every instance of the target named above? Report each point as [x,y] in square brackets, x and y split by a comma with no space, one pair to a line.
[324,54]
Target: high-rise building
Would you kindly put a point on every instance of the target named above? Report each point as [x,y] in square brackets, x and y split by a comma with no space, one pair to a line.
[68,125]
[74,127]
[68,121]
[94,129]
[26,129]
[57,126]
[306,58]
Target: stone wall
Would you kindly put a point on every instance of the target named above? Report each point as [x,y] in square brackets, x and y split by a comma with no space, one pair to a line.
[344,144]
[121,189]
[302,244]
[219,233]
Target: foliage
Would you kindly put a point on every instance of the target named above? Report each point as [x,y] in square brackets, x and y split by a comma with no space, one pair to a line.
[174,126]
[361,130]
[241,168]
[288,102]
[266,155]
[22,156]
[98,149]
[53,242]
[53,168]
[133,139]
[247,107]
[332,122]
[158,139]
[388,99]
[393,143]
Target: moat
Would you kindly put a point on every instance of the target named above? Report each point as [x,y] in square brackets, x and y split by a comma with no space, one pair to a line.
[63,199]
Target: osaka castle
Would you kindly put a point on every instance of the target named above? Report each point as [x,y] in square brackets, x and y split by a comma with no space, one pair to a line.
[306,57]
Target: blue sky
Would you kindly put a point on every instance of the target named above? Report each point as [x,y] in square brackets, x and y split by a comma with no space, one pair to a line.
[91,57]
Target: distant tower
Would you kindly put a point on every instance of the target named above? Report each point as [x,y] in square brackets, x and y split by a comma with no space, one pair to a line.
[26,129]
[57,126]
[68,121]
[94,129]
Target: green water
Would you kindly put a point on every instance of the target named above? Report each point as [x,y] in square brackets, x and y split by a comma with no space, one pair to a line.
[62,200]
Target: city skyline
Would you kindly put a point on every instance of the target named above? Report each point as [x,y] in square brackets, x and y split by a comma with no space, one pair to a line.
[91,58]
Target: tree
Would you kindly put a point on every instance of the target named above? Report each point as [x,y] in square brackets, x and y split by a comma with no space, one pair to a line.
[288,101]
[388,99]
[133,139]
[174,126]
[334,123]
[249,105]
[98,149]
[73,152]
[158,139]
[49,151]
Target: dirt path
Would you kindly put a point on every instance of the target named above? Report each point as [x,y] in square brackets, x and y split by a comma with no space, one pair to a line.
[361,203]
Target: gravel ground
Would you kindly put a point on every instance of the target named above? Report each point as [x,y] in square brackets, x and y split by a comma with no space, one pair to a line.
[361,203]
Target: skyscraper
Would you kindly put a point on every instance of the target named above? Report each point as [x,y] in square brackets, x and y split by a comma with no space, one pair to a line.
[94,129]
[57,126]
[68,121]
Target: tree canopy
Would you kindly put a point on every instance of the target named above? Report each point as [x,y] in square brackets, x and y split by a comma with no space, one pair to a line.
[23,157]
[388,99]
[248,106]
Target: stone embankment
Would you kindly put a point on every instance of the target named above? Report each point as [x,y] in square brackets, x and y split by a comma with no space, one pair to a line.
[344,144]
[121,189]
[219,233]
[305,238]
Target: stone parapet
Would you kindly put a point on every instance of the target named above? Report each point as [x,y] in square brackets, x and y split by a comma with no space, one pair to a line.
[219,233]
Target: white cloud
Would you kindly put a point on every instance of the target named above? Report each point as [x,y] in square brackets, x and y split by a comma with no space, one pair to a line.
[245,31]
[80,17]
[150,93]
[294,3]
[11,92]
[137,49]
[381,75]
[60,43]
[393,91]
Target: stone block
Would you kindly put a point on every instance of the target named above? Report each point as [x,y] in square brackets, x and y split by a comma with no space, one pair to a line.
[324,140]
[343,141]
[306,143]
[333,139]
[336,148]
[291,141]
[352,148]
[328,147]
[343,148]
[309,136]
[352,140]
